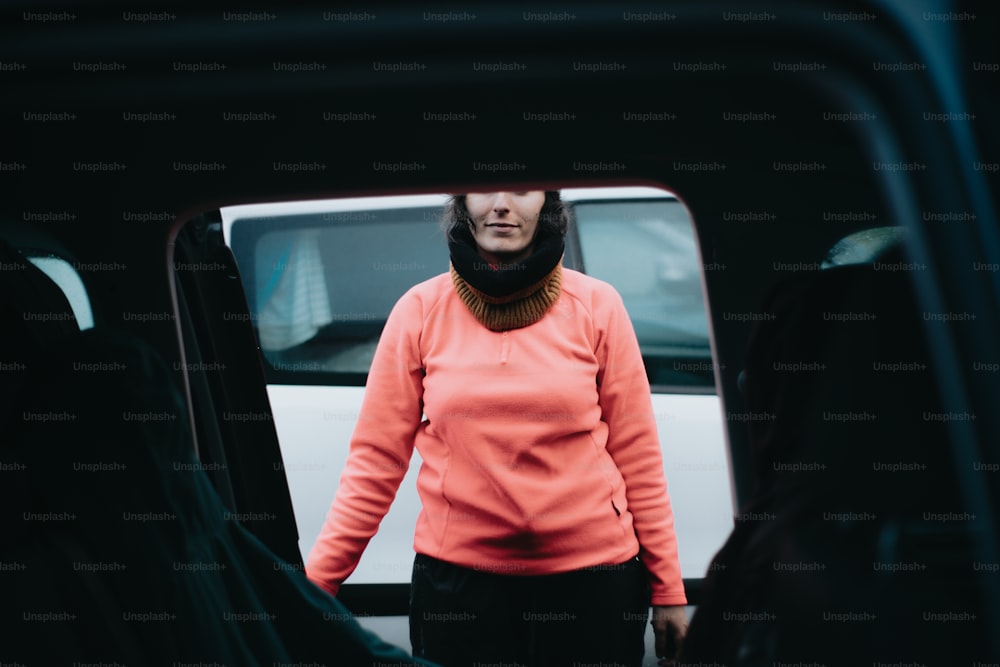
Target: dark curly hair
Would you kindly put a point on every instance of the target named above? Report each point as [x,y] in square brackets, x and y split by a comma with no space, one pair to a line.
[554,217]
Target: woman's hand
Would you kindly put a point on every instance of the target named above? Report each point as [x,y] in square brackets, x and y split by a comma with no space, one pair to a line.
[669,627]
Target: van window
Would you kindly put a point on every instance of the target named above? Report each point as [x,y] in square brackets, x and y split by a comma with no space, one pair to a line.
[320,286]
[65,276]
[647,250]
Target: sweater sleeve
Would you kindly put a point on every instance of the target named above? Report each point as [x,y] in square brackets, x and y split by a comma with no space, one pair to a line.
[380,448]
[634,445]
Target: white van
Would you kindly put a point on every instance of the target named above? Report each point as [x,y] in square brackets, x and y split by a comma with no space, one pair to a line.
[322,276]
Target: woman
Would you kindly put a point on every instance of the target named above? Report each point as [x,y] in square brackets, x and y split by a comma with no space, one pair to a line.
[546,530]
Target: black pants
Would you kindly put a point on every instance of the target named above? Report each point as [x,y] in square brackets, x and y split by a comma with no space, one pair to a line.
[461,617]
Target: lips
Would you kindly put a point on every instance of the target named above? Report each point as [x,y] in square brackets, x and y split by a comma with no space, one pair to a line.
[502,230]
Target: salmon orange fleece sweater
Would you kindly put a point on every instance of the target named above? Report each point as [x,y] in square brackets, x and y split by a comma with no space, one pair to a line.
[539,445]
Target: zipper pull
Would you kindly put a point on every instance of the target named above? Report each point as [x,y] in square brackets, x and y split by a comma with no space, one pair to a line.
[504,347]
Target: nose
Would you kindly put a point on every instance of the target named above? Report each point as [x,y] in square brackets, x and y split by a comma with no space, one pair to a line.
[501,203]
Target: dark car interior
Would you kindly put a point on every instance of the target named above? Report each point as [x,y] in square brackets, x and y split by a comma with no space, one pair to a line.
[147,514]
[830,418]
